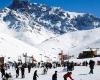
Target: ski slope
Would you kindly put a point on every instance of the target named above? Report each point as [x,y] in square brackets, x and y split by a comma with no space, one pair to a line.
[13,48]
[73,43]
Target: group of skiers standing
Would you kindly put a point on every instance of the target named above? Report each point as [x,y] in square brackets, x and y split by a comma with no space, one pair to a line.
[21,67]
[69,65]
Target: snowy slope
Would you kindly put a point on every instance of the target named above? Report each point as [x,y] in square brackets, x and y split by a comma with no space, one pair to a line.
[4,29]
[72,43]
[12,47]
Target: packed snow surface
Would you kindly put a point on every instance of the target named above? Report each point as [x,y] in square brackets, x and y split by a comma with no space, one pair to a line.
[79,73]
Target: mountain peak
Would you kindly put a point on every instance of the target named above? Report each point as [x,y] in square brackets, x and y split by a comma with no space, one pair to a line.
[19,4]
[24,15]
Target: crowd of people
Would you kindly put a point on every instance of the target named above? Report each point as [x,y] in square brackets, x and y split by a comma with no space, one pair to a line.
[20,67]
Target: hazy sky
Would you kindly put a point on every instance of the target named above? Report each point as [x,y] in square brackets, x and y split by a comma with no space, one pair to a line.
[87,6]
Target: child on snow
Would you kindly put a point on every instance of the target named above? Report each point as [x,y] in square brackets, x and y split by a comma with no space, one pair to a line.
[68,75]
[7,76]
[35,75]
[54,76]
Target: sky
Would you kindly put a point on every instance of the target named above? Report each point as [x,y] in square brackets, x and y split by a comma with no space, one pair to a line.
[85,6]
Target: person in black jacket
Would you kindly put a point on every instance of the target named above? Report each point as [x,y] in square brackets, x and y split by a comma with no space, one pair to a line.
[91,65]
[2,71]
[29,67]
[23,71]
[35,75]
[54,76]
[7,76]
[17,71]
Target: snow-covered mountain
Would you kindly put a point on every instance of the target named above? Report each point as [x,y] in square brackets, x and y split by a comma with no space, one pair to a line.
[48,29]
[73,43]
[22,15]
[27,18]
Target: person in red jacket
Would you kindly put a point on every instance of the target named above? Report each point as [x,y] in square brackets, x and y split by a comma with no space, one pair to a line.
[68,75]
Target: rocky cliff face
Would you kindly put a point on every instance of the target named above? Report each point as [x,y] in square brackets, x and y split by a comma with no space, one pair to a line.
[22,15]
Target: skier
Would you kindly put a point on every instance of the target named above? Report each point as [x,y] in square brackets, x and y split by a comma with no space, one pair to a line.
[72,66]
[7,76]
[68,75]
[86,63]
[91,65]
[29,68]
[45,70]
[17,71]
[22,71]
[35,75]
[54,76]
[2,71]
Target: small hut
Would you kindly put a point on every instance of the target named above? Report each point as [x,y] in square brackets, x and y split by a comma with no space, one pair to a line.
[88,54]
